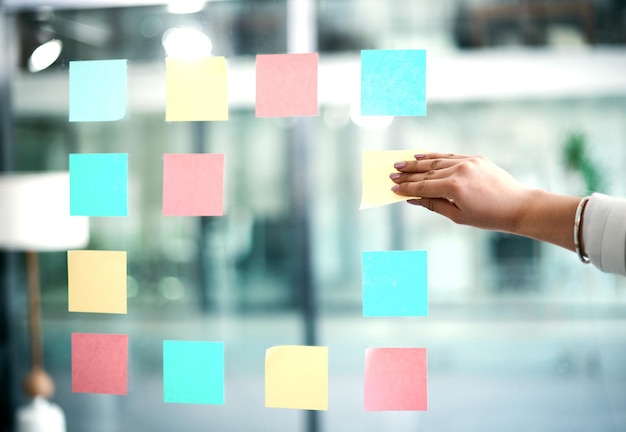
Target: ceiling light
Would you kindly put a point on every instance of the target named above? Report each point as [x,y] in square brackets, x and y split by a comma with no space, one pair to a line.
[186,44]
[44,55]
[185,6]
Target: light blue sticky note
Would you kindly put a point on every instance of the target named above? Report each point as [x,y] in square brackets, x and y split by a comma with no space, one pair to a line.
[99,184]
[395,283]
[193,372]
[393,82]
[97,90]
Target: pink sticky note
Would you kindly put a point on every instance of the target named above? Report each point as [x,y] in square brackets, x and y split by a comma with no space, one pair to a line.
[193,184]
[286,85]
[99,363]
[396,379]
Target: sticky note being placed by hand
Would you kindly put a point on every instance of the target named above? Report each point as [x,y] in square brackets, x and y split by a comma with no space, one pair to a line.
[393,82]
[286,85]
[376,167]
[193,184]
[193,372]
[396,379]
[196,90]
[97,90]
[98,184]
[296,377]
[395,283]
[99,363]
[96,281]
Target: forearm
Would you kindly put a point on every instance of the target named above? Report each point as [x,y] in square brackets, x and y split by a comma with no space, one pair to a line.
[548,217]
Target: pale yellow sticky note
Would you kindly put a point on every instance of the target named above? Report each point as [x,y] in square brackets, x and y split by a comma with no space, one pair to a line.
[96,281]
[196,90]
[377,165]
[296,377]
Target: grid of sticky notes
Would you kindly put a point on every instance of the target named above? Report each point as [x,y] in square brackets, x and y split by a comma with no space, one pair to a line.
[393,83]
[394,283]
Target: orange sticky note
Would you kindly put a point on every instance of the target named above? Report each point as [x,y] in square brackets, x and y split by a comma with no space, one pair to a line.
[296,377]
[286,85]
[396,379]
[96,281]
[376,167]
[193,184]
[196,90]
[100,363]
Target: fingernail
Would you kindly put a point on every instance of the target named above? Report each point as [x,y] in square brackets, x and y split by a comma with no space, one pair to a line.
[415,202]
[399,165]
[420,156]
[395,188]
[394,176]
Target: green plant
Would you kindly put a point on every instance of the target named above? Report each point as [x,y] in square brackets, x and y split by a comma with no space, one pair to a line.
[576,159]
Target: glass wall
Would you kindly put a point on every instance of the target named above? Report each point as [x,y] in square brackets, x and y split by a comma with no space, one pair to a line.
[520,335]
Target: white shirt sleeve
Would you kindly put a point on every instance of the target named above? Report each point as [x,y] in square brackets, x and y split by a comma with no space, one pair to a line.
[604,233]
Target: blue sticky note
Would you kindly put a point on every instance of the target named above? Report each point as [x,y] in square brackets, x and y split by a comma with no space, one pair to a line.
[395,283]
[393,82]
[99,184]
[193,372]
[97,90]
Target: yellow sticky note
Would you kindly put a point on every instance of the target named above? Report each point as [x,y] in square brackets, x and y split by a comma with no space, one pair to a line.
[377,165]
[96,281]
[296,377]
[196,90]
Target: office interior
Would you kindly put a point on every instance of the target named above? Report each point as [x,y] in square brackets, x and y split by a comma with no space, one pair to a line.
[520,335]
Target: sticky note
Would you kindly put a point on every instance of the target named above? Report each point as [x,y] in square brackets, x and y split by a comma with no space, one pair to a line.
[98,184]
[196,90]
[393,82]
[99,363]
[395,283]
[296,377]
[97,90]
[286,85]
[376,184]
[396,379]
[193,184]
[193,372]
[96,281]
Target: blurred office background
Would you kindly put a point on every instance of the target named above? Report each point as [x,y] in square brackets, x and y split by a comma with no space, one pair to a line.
[521,336]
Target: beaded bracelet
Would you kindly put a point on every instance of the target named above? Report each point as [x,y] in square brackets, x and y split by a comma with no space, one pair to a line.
[577,219]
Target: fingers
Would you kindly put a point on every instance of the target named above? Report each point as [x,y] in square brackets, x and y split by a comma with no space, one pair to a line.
[435,155]
[427,188]
[439,205]
[429,162]
[436,172]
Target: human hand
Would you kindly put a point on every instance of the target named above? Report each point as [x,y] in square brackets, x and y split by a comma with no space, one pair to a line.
[469,190]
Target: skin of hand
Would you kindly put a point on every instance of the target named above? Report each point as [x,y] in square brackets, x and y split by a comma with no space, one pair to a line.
[472,190]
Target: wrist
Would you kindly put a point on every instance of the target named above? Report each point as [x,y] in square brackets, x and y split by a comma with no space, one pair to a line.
[548,217]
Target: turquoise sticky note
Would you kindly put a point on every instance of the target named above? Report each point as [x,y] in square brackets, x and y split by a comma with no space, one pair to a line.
[99,184]
[393,82]
[395,283]
[193,372]
[97,90]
